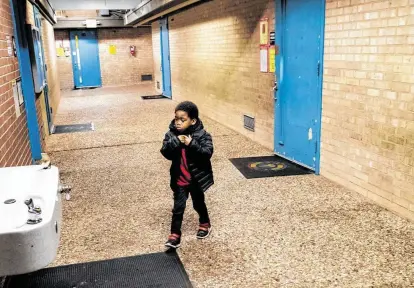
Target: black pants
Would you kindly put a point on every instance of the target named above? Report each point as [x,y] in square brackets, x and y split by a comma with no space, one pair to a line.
[180,201]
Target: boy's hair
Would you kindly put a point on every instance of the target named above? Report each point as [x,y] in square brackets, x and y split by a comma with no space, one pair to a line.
[188,107]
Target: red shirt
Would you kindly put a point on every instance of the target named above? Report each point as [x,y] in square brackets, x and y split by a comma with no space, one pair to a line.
[185,177]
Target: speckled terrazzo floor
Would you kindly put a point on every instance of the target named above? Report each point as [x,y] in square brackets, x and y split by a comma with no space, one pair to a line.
[276,232]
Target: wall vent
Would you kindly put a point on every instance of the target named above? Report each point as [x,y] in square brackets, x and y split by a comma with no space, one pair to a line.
[147,77]
[249,122]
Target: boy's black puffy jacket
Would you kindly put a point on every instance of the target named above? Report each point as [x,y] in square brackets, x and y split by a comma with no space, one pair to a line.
[198,155]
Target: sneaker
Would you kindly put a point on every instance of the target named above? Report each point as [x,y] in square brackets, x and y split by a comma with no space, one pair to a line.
[204,231]
[174,241]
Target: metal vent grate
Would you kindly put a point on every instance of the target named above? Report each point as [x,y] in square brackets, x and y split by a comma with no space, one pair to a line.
[147,77]
[249,122]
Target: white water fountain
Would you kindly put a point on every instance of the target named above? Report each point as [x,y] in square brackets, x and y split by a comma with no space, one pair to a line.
[30,217]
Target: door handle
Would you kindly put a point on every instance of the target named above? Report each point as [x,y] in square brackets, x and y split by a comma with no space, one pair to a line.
[274,90]
[276,86]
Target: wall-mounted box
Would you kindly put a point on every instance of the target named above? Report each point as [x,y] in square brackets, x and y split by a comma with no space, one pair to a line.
[36,58]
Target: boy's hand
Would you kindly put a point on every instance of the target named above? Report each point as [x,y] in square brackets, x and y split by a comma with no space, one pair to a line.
[186,140]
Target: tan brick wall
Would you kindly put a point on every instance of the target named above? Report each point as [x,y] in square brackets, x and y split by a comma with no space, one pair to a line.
[123,68]
[156,48]
[51,60]
[42,120]
[14,139]
[368,100]
[119,69]
[29,13]
[215,61]
[64,64]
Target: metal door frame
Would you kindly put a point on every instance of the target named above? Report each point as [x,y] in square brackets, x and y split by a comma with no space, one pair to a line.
[49,116]
[73,48]
[23,56]
[163,57]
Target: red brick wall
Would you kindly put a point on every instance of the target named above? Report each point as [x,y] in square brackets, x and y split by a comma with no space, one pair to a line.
[121,68]
[14,139]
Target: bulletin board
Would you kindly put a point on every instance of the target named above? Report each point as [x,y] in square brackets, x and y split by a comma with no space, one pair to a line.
[62,48]
[267,48]
[112,49]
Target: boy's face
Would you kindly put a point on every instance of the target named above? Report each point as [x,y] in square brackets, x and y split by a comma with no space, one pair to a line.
[182,121]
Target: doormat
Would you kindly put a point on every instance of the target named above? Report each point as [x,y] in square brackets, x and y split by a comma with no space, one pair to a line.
[60,129]
[163,270]
[154,97]
[268,166]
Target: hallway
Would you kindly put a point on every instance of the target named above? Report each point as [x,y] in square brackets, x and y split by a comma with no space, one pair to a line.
[302,231]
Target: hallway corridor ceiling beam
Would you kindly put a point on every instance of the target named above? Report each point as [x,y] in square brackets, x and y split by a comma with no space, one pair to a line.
[93,4]
[79,22]
[149,10]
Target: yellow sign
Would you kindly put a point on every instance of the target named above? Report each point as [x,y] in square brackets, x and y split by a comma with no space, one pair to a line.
[112,49]
[60,52]
[264,31]
[272,59]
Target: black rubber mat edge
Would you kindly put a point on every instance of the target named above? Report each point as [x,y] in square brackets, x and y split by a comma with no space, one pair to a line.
[170,253]
[153,97]
[73,128]
[292,169]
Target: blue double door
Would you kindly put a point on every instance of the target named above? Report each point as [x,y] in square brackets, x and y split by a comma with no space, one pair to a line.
[85,58]
[298,87]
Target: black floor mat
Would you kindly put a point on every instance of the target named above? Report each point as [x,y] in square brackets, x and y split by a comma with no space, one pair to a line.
[60,129]
[161,270]
[268,166]
[154,97]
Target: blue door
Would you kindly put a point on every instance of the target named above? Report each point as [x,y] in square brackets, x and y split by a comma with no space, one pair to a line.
[299,35]
[165,58]
[85,58]
[38,22]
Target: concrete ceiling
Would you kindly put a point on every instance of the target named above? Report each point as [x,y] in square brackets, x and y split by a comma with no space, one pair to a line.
[93,4]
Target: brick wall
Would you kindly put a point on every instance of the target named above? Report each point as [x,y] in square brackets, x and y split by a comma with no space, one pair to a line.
[14,139]
[123,68]
[42,120]
[51,61]
[156,48]
[64,64]
[368,100]
[368,95]
[215,62]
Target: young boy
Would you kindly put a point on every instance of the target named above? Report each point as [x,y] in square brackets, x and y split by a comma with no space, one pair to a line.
[190,148]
